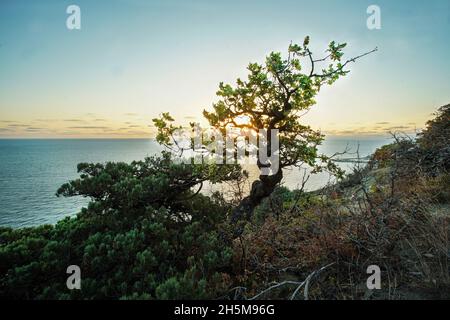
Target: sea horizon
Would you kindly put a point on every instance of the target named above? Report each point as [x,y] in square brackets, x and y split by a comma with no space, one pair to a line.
[368,137]
[31,171]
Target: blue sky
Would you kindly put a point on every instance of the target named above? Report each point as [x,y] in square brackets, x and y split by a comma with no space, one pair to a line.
[132,60]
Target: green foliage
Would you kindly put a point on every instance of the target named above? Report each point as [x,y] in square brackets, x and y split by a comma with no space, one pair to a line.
[165,129]
[117,259]
[384,156]
[144,235]
[273,96]
[156,181]
[279,201]
[430,152]
[393,212]
[434,141]
[148,234]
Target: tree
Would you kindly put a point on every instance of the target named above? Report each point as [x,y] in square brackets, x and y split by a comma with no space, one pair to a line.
[145,234]
[155,181]
[434,142]
[275,95]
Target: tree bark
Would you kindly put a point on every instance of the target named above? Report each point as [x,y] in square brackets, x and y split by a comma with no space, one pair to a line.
[261,189]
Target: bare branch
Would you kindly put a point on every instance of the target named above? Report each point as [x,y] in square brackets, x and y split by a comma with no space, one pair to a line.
[325,75]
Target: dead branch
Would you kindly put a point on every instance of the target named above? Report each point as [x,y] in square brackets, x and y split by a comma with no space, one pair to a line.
[299,285]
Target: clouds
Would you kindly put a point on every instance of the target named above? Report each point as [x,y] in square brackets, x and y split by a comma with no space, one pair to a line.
[15,125]
[93,126]
[378,128]
[141,71]
[135,125]
[73,120]
[82,126]
[87,125]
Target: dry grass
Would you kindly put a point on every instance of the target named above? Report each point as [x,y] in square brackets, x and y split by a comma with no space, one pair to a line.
[389,221]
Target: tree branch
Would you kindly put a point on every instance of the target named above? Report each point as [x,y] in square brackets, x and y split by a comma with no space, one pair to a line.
[325,75]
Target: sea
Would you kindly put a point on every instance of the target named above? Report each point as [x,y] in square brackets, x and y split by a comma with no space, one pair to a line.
[31,171]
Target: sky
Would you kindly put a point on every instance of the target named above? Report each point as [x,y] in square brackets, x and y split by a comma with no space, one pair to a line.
[132,60]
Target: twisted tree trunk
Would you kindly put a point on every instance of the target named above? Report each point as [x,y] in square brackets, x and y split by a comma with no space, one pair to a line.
[261,189]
